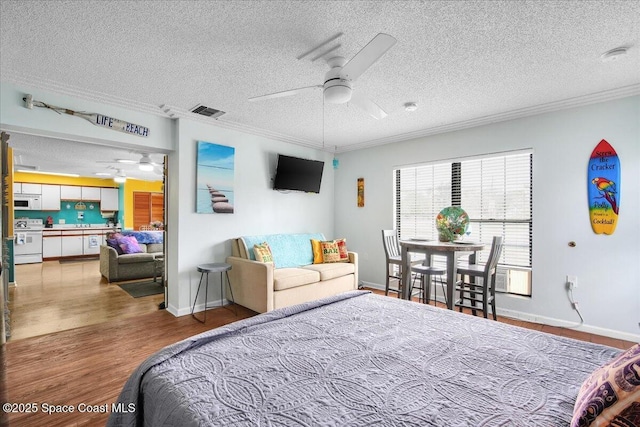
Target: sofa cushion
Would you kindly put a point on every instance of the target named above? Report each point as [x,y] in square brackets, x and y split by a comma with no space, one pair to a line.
[288,250]
[134,258]
[285,278]
[332,270]
[153,247]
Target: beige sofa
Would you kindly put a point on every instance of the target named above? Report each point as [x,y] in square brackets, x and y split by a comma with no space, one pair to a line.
[294,279]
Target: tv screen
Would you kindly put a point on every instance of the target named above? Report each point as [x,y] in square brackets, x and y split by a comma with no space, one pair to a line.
[298,174]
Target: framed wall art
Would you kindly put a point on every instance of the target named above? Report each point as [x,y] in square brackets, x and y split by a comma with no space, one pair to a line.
[214,178]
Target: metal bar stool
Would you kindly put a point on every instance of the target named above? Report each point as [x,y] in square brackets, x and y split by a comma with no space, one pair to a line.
[205,269]
[425,273]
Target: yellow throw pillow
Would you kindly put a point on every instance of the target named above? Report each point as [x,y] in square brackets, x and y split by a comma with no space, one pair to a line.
[330,251]
[316,247]
[263,252]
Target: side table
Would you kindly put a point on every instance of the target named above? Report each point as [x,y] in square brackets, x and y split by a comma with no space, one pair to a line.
[205,269]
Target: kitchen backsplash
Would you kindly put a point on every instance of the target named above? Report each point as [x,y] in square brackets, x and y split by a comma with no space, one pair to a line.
[68,213]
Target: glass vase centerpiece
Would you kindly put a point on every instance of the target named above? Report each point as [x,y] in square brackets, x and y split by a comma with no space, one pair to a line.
[451,223]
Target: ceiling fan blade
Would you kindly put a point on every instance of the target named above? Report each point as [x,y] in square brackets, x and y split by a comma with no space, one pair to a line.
[367,105]
[283,94]
[368,55]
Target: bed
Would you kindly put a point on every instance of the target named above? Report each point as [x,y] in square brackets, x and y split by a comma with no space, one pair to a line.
[362,359]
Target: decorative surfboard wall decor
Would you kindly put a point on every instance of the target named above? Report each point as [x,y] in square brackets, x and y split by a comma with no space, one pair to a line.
[603,181]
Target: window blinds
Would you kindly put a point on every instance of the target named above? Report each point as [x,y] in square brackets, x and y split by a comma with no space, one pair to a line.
[496,193]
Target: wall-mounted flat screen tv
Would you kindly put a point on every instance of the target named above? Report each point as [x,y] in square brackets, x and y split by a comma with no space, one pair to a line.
[298,174]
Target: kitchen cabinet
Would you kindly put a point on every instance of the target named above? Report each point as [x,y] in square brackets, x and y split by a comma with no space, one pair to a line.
[109,199]
[50,197]
[51,244]
[27,188]
[72,243]
[90,193]
[70,192]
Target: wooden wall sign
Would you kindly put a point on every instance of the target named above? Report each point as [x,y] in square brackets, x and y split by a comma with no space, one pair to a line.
[603,181]
[93,118]
[360,192]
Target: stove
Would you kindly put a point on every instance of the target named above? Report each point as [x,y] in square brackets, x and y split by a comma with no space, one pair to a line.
[27,224]
[27,240]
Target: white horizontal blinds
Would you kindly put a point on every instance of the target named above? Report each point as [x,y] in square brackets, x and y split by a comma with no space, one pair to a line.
[421,192]
[496,193]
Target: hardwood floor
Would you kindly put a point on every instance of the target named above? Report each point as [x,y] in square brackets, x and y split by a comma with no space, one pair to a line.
[89,365]
[53,296]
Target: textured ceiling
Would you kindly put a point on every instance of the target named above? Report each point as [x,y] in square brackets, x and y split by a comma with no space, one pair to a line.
[463,63]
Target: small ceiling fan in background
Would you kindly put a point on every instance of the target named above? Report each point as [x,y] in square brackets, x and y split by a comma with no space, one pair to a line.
[144,164]
[338,81]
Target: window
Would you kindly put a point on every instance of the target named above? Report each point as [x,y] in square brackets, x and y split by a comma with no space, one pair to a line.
[496,193]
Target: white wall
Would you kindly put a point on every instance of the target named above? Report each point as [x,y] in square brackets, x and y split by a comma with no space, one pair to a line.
[607,267]
[258,209]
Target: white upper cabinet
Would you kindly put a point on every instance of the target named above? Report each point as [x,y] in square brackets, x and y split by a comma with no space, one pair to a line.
[91,193]
[27,188]
[70,192]
[109,199]
[50,197]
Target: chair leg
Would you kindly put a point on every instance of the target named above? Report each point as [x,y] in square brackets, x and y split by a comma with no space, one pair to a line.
[444,291]
[473,297]
[386,287]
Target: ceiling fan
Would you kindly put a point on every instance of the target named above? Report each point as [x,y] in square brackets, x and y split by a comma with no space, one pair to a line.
[144,164]
[338,81]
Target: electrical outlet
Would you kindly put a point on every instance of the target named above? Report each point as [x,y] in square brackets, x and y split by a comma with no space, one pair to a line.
[572,282]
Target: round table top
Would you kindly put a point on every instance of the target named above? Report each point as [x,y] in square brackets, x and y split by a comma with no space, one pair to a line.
[213,267]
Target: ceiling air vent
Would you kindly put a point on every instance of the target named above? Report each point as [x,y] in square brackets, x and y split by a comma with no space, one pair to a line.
[207,111]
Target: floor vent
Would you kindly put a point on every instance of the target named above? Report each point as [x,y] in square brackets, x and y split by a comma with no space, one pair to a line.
[207,111]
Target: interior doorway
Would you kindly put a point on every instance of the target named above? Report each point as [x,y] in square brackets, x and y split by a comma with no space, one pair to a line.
[53,295]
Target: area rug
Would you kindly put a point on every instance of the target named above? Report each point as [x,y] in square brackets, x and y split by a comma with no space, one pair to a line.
[143,289]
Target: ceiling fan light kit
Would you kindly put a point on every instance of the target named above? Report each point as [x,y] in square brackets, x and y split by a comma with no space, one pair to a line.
[145,163]
[120,177]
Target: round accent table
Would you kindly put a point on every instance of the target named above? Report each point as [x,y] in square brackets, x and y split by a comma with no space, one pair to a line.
[205,269]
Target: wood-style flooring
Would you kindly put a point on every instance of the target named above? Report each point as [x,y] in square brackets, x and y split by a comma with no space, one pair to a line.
[90,364]
[52,296]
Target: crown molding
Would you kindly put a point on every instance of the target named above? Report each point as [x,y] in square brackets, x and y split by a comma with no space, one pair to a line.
[174,113]
[578,101]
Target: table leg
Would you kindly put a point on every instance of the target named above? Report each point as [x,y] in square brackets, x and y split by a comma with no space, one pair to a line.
[405,273]
[451,278]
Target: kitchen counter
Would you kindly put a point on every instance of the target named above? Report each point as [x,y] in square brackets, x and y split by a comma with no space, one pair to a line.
[83,227]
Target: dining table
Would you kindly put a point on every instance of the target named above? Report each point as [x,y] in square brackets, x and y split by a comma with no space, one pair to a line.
[452,251]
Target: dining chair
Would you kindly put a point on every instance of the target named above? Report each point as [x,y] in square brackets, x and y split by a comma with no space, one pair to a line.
[421,274]
[484,293]
[394,260]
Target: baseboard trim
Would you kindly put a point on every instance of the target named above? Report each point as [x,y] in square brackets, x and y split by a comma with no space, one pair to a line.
[544,320]
[199,307]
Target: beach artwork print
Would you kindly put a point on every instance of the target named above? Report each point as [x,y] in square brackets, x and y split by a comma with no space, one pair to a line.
[603,182]
[214,178]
